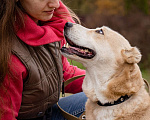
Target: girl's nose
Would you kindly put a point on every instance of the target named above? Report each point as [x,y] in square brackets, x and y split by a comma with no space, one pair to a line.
[54,3]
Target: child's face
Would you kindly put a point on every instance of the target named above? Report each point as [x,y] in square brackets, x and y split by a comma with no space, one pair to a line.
[40,9]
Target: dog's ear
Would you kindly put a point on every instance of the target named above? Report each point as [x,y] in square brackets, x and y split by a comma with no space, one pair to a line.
[132,55]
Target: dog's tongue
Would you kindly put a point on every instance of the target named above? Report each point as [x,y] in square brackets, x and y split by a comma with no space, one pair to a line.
[79,51]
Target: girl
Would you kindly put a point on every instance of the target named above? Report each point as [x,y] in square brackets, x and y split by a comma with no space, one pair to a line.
[32,68]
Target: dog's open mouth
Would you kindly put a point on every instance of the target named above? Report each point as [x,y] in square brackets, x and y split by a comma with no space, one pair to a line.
[71,49]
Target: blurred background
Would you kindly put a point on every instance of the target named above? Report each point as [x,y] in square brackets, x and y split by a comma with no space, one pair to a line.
[131,18]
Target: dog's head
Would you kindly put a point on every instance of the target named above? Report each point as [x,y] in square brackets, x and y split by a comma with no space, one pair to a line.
[101,45]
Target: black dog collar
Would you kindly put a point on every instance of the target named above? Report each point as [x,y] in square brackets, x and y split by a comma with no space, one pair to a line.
[120,100]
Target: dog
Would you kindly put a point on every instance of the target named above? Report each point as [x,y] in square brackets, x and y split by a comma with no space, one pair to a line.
[113,82]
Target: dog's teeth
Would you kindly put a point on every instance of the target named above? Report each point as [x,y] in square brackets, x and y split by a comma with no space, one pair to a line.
[67,45]
[112,102]
[64,45]
[122,99]
[86,50]
[102,103]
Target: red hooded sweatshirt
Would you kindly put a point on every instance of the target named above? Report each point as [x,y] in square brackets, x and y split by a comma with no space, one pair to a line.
[34,35]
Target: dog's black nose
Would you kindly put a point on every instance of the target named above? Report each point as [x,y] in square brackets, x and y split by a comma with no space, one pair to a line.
[68,24]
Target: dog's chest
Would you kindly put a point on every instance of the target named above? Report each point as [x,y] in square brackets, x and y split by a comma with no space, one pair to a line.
[104,114]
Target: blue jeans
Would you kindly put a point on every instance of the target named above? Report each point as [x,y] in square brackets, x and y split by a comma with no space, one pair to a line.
[74,104]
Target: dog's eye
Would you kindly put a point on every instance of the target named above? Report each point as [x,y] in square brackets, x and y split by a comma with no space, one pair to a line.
[100,31]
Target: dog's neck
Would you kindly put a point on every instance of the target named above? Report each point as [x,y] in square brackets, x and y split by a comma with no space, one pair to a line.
[119,101]
[100,73]
[95,82]
[110,86]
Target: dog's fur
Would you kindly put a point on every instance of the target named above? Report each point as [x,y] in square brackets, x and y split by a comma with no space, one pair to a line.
[113,72]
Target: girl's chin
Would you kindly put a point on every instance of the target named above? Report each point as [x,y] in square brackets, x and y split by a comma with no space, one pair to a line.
[46,18]
[42,18]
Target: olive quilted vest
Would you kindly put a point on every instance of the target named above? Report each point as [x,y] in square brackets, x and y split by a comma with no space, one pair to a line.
[42,87]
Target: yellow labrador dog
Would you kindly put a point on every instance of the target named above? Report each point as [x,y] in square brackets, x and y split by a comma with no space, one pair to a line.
[113,82]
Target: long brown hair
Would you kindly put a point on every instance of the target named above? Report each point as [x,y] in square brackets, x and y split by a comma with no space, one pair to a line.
[8,10]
